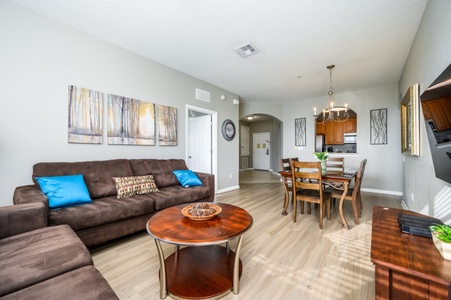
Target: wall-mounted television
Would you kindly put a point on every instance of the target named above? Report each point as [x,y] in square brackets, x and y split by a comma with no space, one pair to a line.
[436,105]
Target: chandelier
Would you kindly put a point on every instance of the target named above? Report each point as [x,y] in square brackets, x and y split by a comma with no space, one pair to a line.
[332,113]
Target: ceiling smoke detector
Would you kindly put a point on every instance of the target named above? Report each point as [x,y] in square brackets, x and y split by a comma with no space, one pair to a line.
[246,50]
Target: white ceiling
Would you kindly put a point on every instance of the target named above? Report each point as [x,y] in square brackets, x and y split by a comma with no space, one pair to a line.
[367,40]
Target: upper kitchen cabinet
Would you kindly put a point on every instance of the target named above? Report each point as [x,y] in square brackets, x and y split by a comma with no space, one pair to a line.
[439,110]
[334,133]
[321,129]
[350,126]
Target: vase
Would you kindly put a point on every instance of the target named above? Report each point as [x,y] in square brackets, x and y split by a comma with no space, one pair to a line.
[442,247]
[323,167]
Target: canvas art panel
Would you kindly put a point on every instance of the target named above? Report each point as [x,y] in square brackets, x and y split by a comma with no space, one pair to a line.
[167,125]
[378,126]
[85,116]
[130,121]
[300,132]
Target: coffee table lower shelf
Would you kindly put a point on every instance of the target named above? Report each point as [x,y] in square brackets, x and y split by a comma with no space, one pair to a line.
[200,272]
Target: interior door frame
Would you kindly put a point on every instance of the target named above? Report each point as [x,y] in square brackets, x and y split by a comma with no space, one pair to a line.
[214,137]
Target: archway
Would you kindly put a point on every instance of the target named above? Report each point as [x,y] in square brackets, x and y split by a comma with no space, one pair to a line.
[260,123]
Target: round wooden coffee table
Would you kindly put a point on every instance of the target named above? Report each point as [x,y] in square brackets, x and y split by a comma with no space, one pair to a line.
[193,272]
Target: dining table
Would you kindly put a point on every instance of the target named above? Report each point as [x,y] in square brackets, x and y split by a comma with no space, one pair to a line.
[335,179]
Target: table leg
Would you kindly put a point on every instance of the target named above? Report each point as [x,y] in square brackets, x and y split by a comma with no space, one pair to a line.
[163,287]
[342,198]
[236,267]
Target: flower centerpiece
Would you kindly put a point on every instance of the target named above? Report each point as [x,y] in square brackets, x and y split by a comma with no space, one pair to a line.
[322,156]
[441,236]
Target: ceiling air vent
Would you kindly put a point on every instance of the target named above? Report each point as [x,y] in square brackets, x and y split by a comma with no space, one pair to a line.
[246,50]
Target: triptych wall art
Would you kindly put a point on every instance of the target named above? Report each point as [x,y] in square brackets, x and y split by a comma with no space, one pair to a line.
[129,121]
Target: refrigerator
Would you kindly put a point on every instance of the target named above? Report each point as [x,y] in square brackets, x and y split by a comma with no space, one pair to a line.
[319,143]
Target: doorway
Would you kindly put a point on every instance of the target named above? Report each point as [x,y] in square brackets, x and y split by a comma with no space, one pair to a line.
[201,144]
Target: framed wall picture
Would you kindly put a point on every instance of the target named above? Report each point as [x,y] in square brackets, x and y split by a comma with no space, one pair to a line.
[410,135]
[167,125]
[85,116]
[130,121]
[300,132]
[378,126]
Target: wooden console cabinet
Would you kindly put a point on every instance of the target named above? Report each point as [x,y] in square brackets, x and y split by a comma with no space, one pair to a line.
[407,266]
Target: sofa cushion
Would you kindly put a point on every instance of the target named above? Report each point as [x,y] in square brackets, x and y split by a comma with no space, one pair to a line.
[38,255]
[161,169]
[175,195]
[98,175]
[133,185]
[102,211]
[62,191]
[83,283]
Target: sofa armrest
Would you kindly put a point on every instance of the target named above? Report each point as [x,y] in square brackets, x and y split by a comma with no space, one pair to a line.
[29,194]
[16,219]
[208,180]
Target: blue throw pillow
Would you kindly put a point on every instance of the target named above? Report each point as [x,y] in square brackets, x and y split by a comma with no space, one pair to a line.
[187,178]
[63,191]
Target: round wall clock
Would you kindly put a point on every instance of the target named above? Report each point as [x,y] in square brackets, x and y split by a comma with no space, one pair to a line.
[228,130]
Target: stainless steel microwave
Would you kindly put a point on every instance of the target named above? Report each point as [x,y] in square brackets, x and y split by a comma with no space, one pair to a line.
[350,138]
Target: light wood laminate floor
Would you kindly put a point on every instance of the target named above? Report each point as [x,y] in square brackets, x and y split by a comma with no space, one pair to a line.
[281,259]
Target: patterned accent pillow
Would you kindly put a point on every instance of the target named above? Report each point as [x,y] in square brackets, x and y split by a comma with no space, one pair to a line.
[132,185]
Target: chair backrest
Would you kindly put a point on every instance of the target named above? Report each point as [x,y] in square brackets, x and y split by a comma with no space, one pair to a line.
[285,164]
[359,178]
[335,164]
[307,176]
[292,160]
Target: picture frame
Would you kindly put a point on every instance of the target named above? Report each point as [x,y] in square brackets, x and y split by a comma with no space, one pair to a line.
[300,132]
[85,116]
[167,125]
[410,135]
[378,126]
[130,121]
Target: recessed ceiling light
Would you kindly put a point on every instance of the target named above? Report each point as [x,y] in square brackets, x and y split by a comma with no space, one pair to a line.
[250,117]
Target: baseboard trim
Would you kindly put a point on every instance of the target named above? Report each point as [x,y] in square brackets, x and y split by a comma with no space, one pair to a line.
[381,192]
[231,188]
[404,205]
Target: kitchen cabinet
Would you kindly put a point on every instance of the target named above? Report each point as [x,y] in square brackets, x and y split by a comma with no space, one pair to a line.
[320,129]
[350,126]
[426,112]
[334,133]
[440,112]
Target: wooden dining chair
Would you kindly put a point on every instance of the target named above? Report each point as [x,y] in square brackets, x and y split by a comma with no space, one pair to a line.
[335,164]
[308,188]
[285,164]
[353,194]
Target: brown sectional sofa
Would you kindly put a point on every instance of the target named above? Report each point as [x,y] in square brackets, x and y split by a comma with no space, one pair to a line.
[107,217]
[40,262]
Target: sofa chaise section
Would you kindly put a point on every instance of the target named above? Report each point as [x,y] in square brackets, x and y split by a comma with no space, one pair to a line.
[34,256]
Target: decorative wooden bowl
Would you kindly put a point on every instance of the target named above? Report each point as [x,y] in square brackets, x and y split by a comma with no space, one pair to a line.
[201,211]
